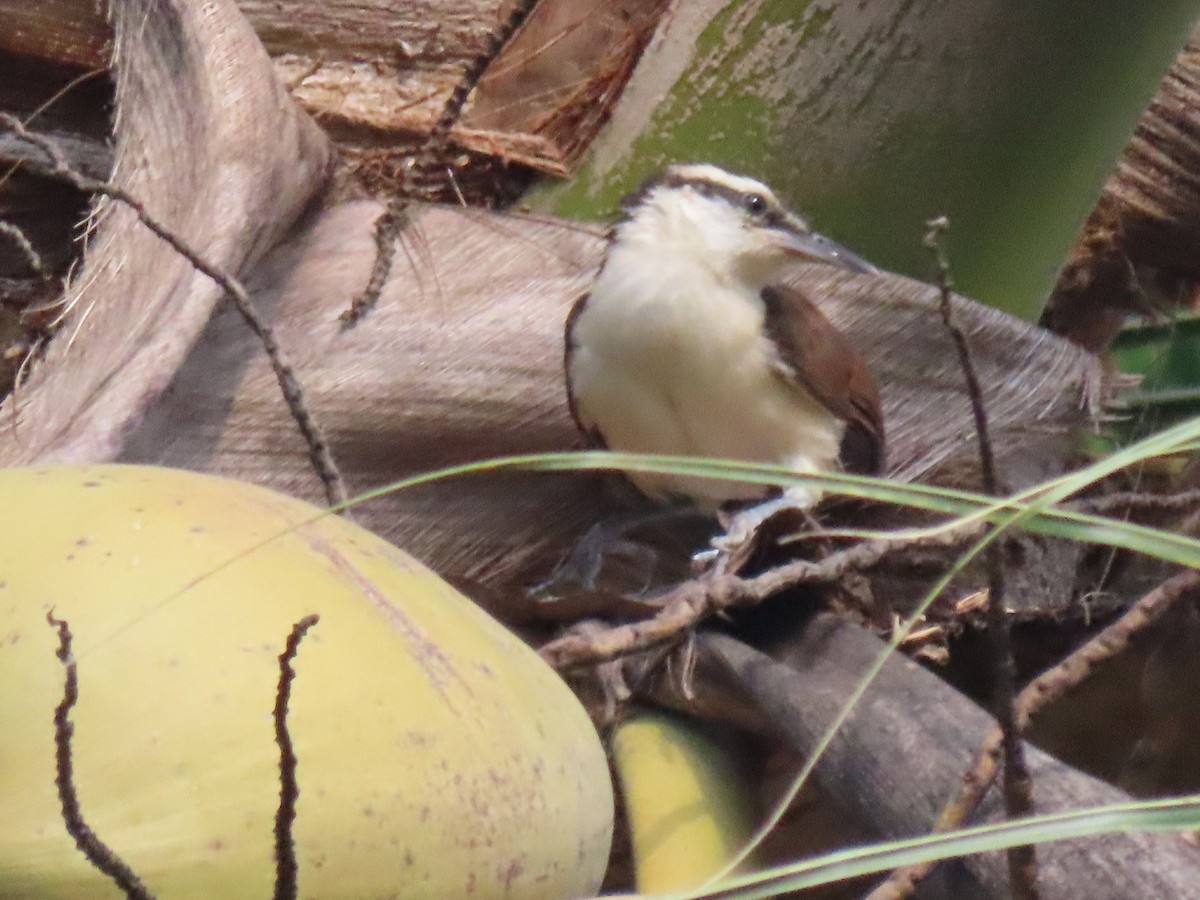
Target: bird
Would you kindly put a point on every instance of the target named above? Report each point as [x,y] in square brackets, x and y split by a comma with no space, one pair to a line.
[689,343]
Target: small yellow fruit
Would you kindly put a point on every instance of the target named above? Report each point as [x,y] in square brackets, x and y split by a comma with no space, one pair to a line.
[438,756]
[685,799]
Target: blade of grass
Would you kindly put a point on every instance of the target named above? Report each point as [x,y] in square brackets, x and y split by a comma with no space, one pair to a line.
[967,506]
[1170,814]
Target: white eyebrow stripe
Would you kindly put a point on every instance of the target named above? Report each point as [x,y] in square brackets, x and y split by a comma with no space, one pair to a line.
[713,174]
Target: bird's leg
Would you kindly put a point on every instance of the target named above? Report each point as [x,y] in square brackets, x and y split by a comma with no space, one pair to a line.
[728,551]
[608,539]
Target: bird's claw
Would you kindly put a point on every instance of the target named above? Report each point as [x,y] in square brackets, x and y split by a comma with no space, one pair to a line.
[728,552]
[744,532]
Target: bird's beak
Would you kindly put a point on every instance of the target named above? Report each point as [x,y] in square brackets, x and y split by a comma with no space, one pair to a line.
[813,247]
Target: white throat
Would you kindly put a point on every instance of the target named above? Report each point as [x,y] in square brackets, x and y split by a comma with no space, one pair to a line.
[680,234]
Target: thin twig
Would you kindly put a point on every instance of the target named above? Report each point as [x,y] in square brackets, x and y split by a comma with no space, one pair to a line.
[318,446]
[429,157]
[685,605]
[97,852]
[1051,685]
[286,886]
[18,238]
[1018,787]
[45,105]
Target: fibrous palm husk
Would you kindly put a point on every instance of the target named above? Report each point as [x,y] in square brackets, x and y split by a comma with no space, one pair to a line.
[1146,226]
[227,164]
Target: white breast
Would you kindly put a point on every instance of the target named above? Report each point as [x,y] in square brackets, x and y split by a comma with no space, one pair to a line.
[676,362]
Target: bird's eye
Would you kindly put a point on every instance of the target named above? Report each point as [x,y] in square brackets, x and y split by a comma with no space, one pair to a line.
[756,204]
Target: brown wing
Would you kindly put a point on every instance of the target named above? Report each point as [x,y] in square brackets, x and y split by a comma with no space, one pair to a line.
[591,436]
[813,354]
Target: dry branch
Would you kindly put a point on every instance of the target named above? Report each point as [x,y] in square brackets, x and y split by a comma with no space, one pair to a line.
[685,606]
[1018,789]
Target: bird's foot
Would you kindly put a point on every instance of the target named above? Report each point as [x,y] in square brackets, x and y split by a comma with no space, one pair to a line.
[608,557]
[746,529]
[601,543]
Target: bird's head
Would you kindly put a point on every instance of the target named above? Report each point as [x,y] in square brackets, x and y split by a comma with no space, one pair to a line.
[728,223]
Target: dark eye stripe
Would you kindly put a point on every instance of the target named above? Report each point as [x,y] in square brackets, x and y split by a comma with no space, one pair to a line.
[731,195]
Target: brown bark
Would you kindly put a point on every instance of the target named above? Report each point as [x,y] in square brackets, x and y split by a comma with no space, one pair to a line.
[71,33]
[377,73]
